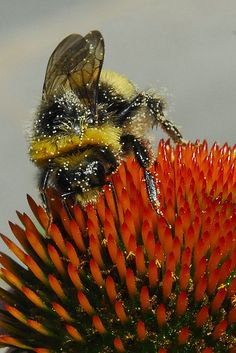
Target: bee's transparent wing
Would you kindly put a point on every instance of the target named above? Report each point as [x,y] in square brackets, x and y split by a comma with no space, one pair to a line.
[76,64]
[62,58]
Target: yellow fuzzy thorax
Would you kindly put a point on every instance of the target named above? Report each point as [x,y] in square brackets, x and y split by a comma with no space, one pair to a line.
[50,147]
[119,83]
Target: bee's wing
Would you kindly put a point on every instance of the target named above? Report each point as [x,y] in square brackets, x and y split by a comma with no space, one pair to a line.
[76,64]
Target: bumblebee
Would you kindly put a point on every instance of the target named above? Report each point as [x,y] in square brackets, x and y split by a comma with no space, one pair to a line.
[89,120]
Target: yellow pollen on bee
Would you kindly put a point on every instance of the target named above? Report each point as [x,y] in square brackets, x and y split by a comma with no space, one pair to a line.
[50,147]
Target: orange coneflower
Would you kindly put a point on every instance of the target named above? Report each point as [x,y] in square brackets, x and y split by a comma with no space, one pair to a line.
[118,277]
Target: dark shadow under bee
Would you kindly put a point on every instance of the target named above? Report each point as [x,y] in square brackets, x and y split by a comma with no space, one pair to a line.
[89,120]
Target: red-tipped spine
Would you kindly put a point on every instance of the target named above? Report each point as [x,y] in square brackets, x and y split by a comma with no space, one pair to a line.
[131,282]
[97,323]
[72,255]
[77,236]
[16,313]
[121,266]
[119,345]
[111,288]
[84,302]
[232,315]
[219,329]
[112,248]
[200,289]
[202,316]
[74,332]
[62,312]
[162,350]
[218,300]
[183,335]
[31,295]
[161,315]
[167,284]
[184,277]
[144,298]
[152,274]
[58,239]
[56,286]
[56,259]
[120,312]
[140,262]
[96,273]
[74,276]
[11,341]
[95,251]
[141,330]
[182,303]
[150,246]
[33,266]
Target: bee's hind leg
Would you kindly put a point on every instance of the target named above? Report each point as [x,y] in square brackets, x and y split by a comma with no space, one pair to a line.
[157,106]
[152,191]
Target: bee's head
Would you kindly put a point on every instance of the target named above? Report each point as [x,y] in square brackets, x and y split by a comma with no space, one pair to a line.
[80,180]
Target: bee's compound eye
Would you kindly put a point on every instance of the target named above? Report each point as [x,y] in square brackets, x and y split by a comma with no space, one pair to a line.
[95,173]
[63,181]
[91,120]
[68,180]
[77,127]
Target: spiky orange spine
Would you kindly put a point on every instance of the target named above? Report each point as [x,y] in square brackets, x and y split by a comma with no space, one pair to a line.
[120,277]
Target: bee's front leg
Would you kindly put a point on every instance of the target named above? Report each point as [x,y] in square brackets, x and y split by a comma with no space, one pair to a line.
[65,204]
[43,185]
[143,156]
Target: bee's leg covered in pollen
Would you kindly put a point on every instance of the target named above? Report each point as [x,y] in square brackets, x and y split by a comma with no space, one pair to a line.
[156,107]
[152,191]
[142,154]
[43,185]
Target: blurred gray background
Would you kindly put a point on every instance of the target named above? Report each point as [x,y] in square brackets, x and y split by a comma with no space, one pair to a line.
[185,48]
